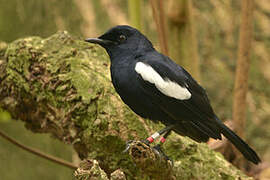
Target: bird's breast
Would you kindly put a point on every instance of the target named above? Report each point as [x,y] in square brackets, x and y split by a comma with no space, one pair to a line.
[124,80]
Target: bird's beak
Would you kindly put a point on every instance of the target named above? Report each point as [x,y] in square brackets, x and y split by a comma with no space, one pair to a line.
[100,41]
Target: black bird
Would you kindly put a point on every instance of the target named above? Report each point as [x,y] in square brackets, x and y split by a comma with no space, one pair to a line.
[155,87]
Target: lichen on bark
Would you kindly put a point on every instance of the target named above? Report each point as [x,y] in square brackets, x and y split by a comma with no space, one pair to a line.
[61,85]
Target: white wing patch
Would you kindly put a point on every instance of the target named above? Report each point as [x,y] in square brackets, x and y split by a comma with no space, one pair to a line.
[166,86]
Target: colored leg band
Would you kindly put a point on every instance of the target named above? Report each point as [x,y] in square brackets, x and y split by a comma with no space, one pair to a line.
[150,139]
[162,139]
[153,137]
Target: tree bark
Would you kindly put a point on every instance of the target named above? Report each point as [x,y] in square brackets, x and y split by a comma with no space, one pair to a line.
[242,70]
[182,40]
[158,16]
[61,85]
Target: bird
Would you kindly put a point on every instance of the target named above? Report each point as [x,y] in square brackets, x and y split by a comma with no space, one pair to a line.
[156,88]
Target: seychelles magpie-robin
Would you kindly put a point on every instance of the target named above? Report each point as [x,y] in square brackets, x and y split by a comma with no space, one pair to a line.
[155,87]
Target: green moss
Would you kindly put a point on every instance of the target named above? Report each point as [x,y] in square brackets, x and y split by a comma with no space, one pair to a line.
[195,160]
[90,169]
[133,124]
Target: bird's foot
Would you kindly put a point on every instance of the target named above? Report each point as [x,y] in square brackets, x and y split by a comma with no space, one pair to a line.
[128,144]
[158,149]
[145,141]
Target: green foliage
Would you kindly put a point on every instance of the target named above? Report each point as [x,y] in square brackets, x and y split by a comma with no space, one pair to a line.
[100,12]
[25,18]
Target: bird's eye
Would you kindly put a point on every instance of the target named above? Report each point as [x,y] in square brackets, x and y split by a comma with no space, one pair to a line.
[122,38]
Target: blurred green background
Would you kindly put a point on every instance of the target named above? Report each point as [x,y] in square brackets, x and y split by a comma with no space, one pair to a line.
[216,25]
[16,163]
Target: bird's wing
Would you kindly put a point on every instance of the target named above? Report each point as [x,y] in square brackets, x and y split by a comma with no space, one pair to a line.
[176,92]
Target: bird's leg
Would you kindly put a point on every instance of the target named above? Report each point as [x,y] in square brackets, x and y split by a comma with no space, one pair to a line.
[158,146]
[154,136]
[163,138]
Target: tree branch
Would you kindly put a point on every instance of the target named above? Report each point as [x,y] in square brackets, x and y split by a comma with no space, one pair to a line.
[242,70]
[61,85]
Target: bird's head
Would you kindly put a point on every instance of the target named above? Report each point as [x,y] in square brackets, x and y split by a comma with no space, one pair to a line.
[121,39]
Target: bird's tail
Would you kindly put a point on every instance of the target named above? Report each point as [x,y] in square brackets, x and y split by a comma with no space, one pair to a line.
[242,146]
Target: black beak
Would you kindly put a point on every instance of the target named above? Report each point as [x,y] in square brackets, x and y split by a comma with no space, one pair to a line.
[99,41]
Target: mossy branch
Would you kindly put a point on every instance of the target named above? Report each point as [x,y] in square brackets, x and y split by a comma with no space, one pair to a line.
[61,85]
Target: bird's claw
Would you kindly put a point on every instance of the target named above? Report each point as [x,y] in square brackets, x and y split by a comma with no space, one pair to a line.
[145,141]
[157,149]
[127,146]
[160,153]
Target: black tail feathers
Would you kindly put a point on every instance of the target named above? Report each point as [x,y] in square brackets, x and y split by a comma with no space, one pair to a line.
[243,147]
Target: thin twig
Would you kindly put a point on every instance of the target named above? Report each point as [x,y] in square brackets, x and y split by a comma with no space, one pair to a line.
[38,153]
